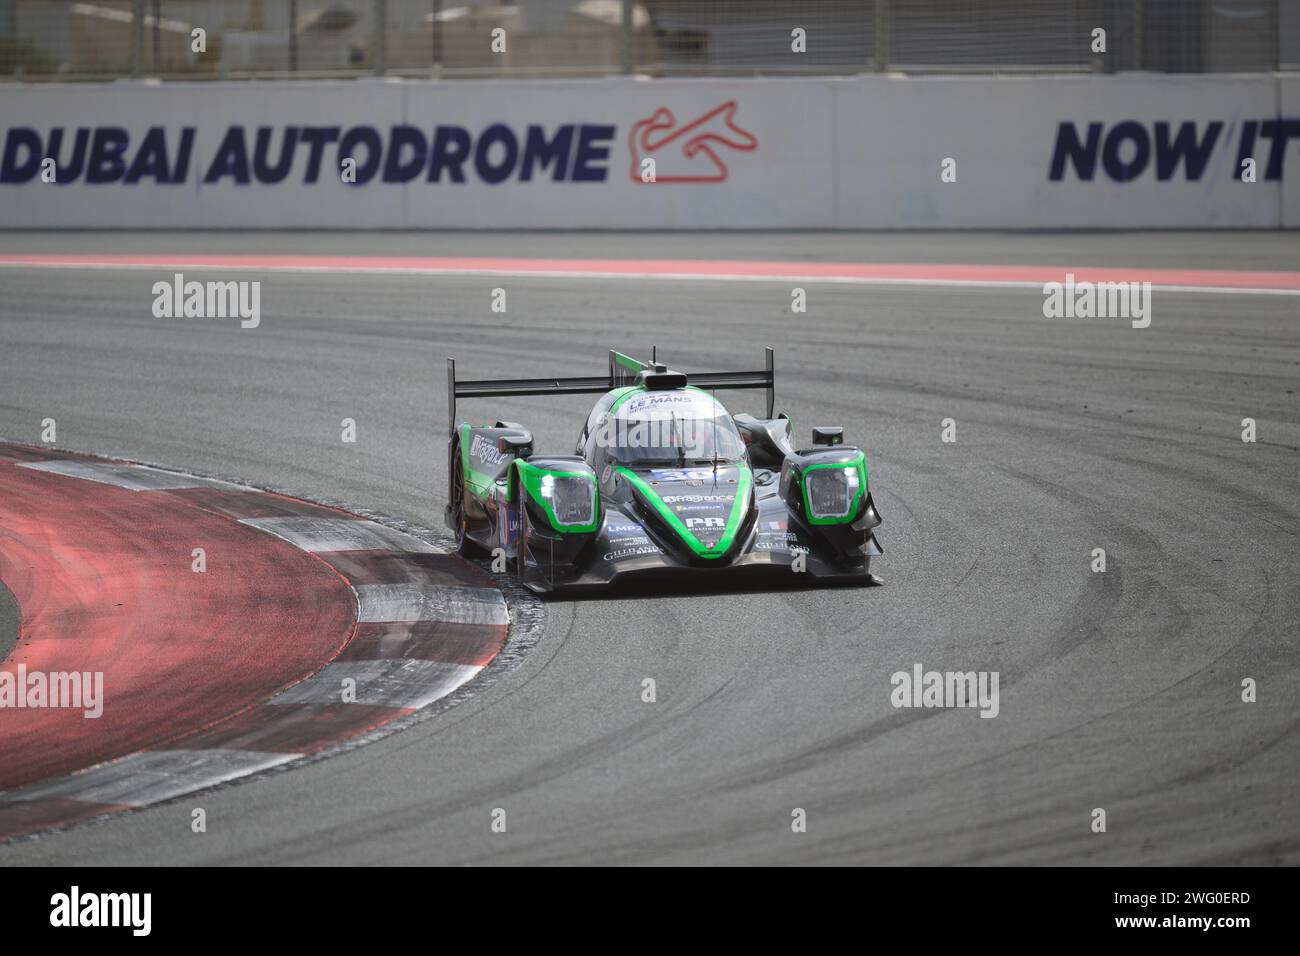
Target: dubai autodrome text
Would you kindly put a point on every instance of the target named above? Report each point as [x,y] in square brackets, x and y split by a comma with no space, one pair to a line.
[572,152]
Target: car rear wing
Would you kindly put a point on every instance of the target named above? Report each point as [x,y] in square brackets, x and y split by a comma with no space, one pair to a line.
[623,370]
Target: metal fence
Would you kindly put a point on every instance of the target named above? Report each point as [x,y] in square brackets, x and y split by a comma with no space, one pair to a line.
[196,39]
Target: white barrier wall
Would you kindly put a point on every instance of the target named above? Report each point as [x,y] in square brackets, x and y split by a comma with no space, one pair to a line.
[1289,112]
[863,152]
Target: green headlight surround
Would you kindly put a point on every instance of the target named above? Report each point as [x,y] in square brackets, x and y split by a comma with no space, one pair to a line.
[860,464]
[530,476]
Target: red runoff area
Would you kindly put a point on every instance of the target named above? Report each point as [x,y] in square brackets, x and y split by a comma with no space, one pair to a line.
[103,578]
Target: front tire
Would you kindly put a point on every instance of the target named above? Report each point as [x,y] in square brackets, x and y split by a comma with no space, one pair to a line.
[465,545]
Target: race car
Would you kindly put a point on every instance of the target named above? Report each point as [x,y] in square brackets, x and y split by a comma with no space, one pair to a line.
[664,480]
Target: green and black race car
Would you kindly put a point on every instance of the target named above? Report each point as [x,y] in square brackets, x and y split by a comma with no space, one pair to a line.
[664,481]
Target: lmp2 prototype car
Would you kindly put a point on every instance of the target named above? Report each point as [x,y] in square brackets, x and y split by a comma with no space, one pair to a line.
[664,480]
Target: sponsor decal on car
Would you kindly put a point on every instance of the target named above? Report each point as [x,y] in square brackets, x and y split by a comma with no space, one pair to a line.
[486,452]
[700,474]
[626,528]
[640,403]
[692,523]
[632,552]
[783,546]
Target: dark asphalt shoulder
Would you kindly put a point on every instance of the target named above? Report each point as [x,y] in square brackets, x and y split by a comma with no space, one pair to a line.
[8,622]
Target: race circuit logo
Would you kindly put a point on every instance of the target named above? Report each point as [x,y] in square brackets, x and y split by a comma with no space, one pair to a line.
[690,152]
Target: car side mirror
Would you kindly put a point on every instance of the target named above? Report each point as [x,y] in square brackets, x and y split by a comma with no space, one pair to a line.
[520,446]
[828,435]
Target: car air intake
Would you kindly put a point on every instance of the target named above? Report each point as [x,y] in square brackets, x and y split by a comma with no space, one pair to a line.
[660,379]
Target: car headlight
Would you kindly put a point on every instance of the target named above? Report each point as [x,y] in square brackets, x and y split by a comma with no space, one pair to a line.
[571,499]
[831,491]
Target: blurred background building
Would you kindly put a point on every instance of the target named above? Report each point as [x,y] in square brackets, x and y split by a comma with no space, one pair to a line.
[61,40]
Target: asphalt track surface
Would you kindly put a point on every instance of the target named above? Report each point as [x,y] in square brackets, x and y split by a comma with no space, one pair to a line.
[1119,690]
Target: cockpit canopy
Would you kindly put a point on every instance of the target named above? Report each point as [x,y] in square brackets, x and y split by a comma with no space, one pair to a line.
[681,426]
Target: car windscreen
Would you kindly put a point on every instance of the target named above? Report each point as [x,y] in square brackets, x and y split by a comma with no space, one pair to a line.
[671,439]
